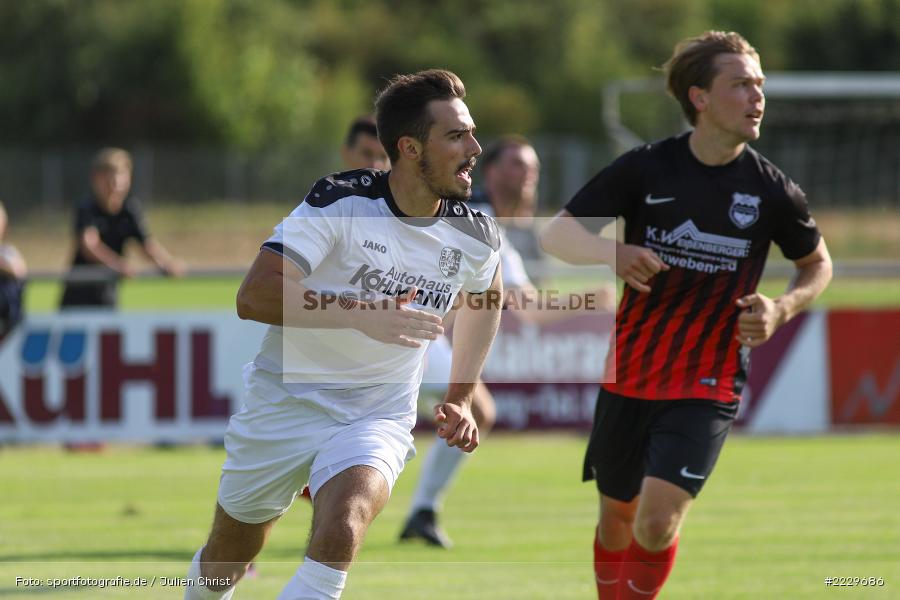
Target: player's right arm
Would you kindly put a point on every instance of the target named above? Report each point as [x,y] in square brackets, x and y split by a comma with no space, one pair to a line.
[93,247]
[568,239]
[273,293]
[572,235]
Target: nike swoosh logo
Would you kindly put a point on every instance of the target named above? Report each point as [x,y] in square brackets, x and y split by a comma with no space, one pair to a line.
[651,200]
[689,475]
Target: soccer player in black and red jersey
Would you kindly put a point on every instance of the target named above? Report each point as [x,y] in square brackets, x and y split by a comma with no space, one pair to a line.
[700,211]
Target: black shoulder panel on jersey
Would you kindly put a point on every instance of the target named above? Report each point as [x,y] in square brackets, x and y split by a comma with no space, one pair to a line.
[657,146]
[368,183]
[652,155]
[472,222]
[773,177]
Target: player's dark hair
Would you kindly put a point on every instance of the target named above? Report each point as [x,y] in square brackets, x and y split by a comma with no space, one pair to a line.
[693,63]
[360,126]
[402,107]
[494,151]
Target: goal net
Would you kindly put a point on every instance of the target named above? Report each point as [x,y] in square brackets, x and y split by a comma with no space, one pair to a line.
[836,134]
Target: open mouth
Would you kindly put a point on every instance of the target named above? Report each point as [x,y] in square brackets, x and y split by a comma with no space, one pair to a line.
[464,173]
[755,115]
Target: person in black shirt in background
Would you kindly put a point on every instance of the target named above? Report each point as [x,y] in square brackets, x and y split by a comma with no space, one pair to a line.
[104,222]
[12,281]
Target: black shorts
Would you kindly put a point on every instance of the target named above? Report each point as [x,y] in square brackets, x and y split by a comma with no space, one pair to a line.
[103,295]
[675,440]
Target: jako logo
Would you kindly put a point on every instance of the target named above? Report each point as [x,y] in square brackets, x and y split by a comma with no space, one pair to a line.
[369,244]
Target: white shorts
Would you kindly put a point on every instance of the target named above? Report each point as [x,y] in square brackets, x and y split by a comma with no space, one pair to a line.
[274,448]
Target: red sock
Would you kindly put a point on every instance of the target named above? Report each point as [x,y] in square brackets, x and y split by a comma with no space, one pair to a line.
[607,566]
[644,572]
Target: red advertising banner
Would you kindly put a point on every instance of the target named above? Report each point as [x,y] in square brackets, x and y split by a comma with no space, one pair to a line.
[865,366]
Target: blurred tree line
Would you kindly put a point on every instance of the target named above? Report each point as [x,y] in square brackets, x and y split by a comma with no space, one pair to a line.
[249,74]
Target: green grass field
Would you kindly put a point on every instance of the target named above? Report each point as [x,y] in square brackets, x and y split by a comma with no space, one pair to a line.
[778,516]
[219,293]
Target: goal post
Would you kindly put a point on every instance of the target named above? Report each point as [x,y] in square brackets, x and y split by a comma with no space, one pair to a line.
[837,133]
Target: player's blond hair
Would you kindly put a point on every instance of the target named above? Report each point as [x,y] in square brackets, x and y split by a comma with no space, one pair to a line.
[112,159]
[693,63]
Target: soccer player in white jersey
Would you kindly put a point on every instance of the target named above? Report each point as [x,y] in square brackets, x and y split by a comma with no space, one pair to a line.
[361,150]
[405,236]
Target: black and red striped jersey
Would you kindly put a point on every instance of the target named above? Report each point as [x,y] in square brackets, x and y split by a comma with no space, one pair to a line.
[713,226]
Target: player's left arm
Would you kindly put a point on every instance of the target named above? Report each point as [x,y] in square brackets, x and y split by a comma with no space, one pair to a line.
[762,315]
[476,325]
[157,253]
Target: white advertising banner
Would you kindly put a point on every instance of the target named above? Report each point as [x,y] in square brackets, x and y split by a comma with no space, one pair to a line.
[84,376]
[176,376]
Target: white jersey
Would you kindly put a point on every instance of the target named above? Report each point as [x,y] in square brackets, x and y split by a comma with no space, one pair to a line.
[512,267]
[352,241]
[440,353]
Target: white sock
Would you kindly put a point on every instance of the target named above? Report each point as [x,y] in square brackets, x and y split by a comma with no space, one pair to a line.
[195,591]
[314,581]
[438,470]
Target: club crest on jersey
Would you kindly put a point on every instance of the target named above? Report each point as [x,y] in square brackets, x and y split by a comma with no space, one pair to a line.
[450,259]
[744,210]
